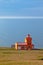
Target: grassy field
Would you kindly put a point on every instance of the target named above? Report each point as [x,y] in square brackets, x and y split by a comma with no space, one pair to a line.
[9,56]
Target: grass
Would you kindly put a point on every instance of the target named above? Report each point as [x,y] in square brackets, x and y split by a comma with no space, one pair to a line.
[10,56]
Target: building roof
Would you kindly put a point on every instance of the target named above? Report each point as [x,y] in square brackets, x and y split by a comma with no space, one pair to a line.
[21,43]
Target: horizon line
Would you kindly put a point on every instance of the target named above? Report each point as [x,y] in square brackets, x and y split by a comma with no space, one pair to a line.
[21,17]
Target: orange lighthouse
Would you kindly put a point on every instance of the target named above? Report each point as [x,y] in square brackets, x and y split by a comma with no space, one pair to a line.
[27,44]
[28,40]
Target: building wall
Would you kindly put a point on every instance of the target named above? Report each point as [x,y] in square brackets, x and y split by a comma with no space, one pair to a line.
[22,47]
[16,46]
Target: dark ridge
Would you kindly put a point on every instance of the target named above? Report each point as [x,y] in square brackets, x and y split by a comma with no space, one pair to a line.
[41,58]
[37,49]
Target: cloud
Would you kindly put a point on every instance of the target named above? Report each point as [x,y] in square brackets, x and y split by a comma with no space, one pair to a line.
[21,17]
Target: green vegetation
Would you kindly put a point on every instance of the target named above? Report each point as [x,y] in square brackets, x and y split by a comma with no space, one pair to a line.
[10,56]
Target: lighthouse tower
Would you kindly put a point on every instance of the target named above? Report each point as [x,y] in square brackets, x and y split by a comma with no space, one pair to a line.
[28,40]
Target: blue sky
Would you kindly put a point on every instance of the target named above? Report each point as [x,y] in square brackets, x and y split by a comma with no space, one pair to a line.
[21,7]
[15,30]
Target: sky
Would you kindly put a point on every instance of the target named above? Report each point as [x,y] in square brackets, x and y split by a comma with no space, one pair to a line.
[15,30]
[21,7]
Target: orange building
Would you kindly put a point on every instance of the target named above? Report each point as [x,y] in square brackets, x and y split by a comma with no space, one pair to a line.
[27,44]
